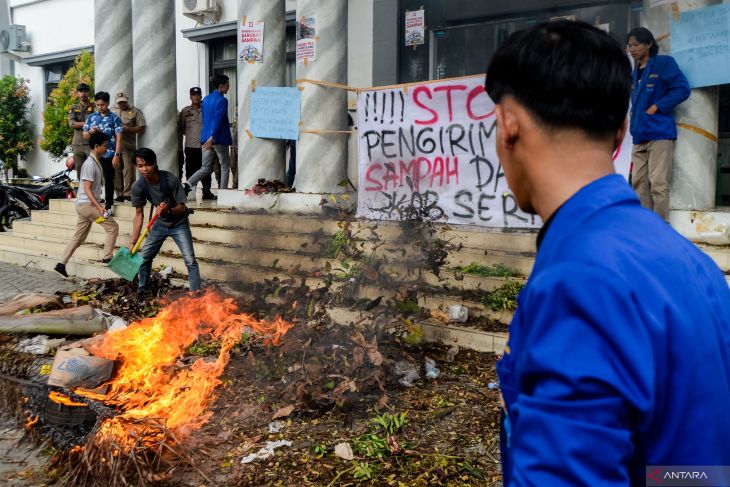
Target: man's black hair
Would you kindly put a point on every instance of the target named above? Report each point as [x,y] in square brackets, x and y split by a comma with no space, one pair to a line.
[567,74]
[97,138]
[102,95]
[148,155]
[82,87]
[217,80]
[644,35]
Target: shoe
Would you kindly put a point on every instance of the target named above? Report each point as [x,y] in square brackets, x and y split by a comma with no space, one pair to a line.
[119,199]
[187,188]
[61,270]
[105,261]
[209,196]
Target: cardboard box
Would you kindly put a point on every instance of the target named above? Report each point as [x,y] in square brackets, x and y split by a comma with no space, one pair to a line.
[77,368]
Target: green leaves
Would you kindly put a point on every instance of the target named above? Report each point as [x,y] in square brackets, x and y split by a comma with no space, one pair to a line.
[16,132]
[57,134]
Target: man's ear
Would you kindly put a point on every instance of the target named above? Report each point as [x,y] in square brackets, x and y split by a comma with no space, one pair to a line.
[508,127]
[620,134]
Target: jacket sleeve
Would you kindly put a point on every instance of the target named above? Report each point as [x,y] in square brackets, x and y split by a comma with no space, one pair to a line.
[677,87]
[221,110]
[583,380]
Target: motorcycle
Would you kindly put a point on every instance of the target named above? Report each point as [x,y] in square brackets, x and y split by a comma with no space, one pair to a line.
[17,201]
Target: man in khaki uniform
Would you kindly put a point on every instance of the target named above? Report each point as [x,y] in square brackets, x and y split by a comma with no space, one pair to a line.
[134,124]
[190,124]
[76,118]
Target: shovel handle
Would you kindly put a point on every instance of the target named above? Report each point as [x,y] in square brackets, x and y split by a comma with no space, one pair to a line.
[144,233]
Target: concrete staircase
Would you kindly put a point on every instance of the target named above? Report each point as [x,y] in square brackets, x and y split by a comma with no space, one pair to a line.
[233,246]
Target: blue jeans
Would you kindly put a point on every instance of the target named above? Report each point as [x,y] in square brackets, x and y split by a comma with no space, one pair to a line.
[184,240]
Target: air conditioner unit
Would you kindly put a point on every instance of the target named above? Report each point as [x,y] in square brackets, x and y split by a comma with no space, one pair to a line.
[12,38]
[202,10]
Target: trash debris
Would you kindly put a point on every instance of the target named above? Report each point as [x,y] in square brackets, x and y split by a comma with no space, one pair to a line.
[408,371]
[276,426]
[82,321]
[458,313]
[432,372]
[452,353]
[283,412]
[344,451]
[439,315]
[77,368]
[166,271]
[39,345]
[25,301]
[113,322]
[266,451]
[493,385]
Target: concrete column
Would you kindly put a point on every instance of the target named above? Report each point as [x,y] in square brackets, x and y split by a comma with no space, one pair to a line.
[694,177]
[113,69]
[322,158]
[261,158]
[155,83]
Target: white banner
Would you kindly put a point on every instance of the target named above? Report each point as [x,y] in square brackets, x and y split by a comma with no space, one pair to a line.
[251,41]
[430,148]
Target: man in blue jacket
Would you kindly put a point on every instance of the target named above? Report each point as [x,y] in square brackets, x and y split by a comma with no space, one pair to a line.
[216,133]
[618,358]
[657,86]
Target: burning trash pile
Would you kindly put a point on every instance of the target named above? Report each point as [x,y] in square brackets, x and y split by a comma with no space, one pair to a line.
[152,401]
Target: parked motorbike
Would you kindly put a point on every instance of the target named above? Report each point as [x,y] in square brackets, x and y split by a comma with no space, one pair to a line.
[17,201]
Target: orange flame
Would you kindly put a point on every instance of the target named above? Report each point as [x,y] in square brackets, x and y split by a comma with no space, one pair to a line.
[148,383]
[59,398]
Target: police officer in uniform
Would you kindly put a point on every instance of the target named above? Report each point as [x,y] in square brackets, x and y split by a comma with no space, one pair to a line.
[190,124]
[77,115]
[134,124]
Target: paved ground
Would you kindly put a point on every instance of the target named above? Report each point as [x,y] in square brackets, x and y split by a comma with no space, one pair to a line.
[16,279]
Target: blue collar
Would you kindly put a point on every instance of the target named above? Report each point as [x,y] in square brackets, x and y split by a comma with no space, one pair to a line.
[591,198]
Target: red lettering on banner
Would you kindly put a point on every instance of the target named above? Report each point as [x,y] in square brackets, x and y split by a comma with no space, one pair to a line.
[369,178]
[442,171]
[478,90]
[448,89]
[417,92]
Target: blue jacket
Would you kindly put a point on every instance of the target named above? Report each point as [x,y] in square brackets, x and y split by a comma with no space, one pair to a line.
[619,352]
[215,120]
[662,84]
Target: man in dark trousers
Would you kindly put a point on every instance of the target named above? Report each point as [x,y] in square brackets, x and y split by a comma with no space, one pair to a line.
[618,356]
[107,122]
[164,191]
[658,86]
[190,125]
[215,135]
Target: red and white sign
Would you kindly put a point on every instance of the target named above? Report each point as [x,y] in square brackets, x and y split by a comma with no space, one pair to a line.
[415,30]
[431,147]
[251,41]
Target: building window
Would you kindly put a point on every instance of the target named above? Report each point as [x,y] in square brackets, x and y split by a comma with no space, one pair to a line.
[223,61]
[54,74]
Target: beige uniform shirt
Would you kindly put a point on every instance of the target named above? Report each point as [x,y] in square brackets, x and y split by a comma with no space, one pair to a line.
[78,113]
[190,124]
[131,117]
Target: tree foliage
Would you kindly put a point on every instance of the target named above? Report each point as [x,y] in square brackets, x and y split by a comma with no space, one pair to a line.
[16,132]
[57,134]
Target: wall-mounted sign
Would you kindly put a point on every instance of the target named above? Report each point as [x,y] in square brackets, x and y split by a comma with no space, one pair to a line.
[306,42]
[415,28]
[251,41]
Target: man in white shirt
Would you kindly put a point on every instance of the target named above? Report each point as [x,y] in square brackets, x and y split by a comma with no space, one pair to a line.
[88,208]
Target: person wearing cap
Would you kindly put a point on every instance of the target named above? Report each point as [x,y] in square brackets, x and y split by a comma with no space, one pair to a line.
[77,115]
[105,121]
[190,125]
[134,124]
[215,135]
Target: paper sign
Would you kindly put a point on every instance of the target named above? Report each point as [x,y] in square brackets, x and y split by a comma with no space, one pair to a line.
[251,41]
[701,45]
[275,113]
[306,43]
[431,148]
[415,28]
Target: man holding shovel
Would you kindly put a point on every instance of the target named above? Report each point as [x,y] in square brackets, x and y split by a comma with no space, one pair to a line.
[164,191]
[88,208]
